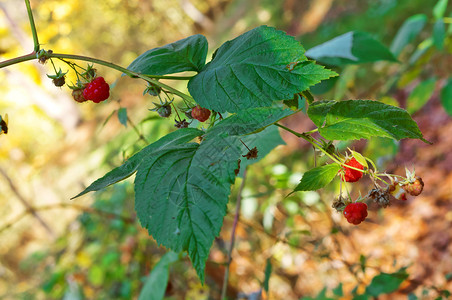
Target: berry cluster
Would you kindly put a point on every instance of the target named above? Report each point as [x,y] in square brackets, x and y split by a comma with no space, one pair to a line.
[398,187]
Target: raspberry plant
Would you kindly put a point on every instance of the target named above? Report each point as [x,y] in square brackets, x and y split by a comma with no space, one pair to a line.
[251,83]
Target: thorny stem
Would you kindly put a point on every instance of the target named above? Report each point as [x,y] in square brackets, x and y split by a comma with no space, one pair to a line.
[65,205]
[33,26]
[231,245]
[149,78]
[311,140]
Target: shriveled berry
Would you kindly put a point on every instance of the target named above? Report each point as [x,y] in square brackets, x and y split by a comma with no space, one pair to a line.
[352,175]
[356,212]
[60,81]
[199,113]
[414,188]
[78,96]
[97,90]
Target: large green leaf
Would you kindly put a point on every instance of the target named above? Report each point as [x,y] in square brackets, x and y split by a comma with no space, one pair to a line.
[122,172]
[155,285]
[420,95]
[317,178]
[353,47]
[265,141]
[248,121]
[253,70]
[362,119]
[409,30]
[181,191]
[188,54]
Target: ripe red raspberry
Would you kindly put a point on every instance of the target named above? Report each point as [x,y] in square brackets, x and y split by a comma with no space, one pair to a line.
[200,114]
[97,90]
[356,212]
[414,188]
[352,175]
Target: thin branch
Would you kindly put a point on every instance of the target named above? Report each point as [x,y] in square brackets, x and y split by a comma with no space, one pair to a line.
[27,205]
[33,26]
[66,206]
[231,245]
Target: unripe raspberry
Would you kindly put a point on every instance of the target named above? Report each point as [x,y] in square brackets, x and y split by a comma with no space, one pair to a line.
[200,114]
[352,175]
[355,212]
[414,188]
[78,96]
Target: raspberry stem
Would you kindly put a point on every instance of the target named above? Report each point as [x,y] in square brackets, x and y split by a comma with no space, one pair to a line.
[33,26]
[311,140]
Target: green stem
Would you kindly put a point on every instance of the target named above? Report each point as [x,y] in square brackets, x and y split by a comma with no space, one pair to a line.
[17,60]
[33,26]
[149,78]
[309,139]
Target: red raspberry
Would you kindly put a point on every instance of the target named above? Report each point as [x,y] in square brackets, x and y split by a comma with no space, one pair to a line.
[356,212]
[97,90]
[414,188]
[200,114]
[352,175]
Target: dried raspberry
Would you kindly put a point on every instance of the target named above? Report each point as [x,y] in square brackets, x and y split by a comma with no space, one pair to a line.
[97,90]
[200,114]
[414,188]
[78,96]
[352,175]
[356,212]
[59,81]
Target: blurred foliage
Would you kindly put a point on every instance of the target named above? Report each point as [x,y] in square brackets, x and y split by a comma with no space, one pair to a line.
[102,253]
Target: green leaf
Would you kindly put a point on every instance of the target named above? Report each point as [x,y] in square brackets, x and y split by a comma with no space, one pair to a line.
[362,119]
[268,272]
[338,291]
[122,172]
[155,286]
[420,95]
[318,177]
[265,141]
[181,191]
[353,47]
[446,96]
[248,121]
[254,70]
[409,30]
[122,116]
[188,54]
[386,283]
[421,49]
[439,33]
[439,9]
